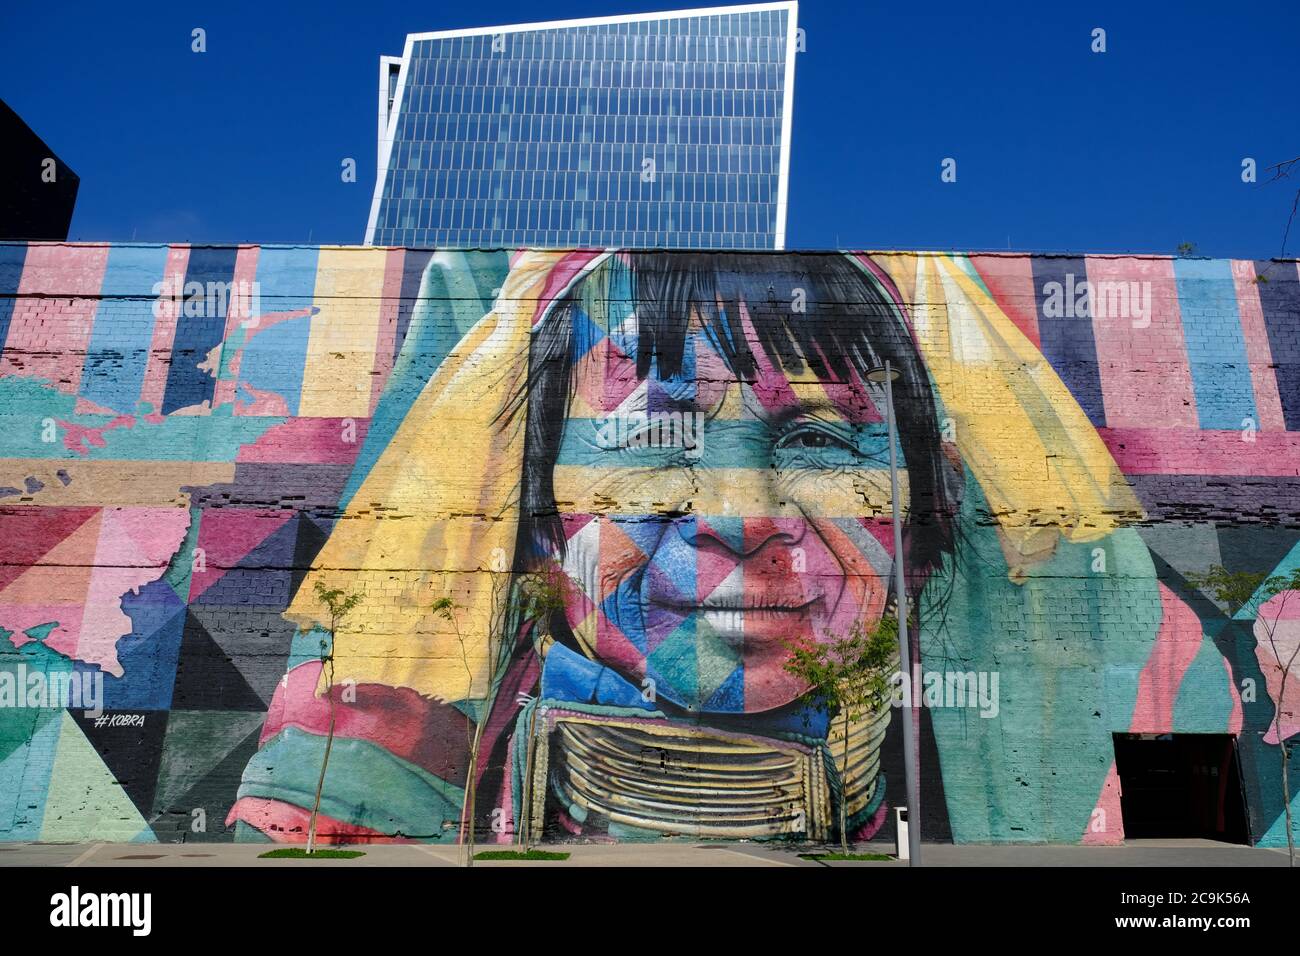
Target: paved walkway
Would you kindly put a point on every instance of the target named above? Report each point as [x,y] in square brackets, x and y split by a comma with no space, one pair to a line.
[1135,853]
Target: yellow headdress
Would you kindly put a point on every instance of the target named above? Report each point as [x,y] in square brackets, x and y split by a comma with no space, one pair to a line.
[438,513]
[1043,468]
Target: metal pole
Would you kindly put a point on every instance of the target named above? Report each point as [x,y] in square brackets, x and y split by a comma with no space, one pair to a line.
[910,771]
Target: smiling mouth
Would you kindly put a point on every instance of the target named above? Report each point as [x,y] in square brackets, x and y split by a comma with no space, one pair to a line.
[738,622]
[739,605]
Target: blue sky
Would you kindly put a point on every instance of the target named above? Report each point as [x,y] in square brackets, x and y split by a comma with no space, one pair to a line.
[1057,147]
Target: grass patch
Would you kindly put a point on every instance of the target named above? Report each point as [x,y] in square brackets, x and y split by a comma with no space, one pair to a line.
[298,853]
[520,855]
[842,857]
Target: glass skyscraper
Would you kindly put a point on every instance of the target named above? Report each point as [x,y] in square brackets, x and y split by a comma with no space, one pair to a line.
[663,130]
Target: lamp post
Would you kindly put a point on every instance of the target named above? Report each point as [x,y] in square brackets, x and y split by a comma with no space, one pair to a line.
[886,374]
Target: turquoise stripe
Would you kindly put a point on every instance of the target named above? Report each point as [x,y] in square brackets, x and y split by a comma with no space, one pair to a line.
[26,404]
[365,785]
[123,327]
[456,291]
[1216,346]
[739,443]
[1053,693]
[1204,702]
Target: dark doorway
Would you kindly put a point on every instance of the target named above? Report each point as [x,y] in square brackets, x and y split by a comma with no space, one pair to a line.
[1181,785]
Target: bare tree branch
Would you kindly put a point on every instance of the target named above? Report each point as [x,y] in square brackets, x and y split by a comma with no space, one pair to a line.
[1282,171]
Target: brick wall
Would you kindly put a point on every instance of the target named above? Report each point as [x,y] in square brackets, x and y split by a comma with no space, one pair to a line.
[193,437]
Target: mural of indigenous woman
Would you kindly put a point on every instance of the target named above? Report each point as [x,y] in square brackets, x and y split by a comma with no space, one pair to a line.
[689,444]
[685,448]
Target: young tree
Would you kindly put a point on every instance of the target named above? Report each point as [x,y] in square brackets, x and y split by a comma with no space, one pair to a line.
[1251,592]
[340,605]
[536,596]
[540,595]
[446,608]
[848,677]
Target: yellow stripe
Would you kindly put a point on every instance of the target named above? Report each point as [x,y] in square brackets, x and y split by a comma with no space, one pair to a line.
[437,516]
[1036,456]
[337,379]
[740,492]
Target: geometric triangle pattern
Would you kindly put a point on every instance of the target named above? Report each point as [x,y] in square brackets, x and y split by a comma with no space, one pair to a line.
[203,756]
[130,746]
[207,677]
[149,654]
[86,797]
[26,534]
[253,641]
[260,577]
[237,537]
[164,501]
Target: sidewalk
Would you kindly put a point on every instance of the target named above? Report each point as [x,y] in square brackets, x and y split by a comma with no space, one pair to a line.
[1157,853]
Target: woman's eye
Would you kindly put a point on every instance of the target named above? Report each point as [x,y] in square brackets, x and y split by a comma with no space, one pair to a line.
[816,439]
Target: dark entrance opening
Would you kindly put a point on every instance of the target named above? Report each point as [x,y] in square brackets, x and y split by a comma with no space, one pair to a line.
[1181,785]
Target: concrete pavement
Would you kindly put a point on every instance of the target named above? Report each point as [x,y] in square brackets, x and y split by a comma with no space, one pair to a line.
[1141,853]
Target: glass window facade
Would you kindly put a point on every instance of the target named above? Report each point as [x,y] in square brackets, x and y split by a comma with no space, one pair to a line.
[661,133]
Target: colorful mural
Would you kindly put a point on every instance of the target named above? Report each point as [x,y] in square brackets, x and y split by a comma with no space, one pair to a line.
[685,452]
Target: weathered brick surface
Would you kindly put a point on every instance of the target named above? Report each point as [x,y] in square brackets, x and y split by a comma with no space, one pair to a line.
[174,469]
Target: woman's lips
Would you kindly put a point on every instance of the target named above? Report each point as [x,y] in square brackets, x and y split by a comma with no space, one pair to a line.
[757,603]
[758,619]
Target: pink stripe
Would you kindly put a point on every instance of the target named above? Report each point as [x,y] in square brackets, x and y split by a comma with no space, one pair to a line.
[1258,353]
[305,441]
[27,313]
[48,337]
[505,794]
[1110,820]
[1177,643]
[410,727]
[872,826]
[560,276]
[285,823]
[1236,717]
[1192,451]
[386,338]
[1283,606]
[63,269]
[1145,374]
[164,331]
[770,386]
[1010,280]
[236,312]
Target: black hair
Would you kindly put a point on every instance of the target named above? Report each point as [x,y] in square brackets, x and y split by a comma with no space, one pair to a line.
[810,312]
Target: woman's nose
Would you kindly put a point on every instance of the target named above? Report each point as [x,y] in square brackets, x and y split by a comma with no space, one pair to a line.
[743,537]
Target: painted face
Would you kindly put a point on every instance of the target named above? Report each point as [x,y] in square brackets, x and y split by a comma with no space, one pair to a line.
[710,520]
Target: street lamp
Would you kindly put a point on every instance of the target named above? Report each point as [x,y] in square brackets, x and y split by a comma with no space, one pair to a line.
[886,374]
